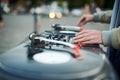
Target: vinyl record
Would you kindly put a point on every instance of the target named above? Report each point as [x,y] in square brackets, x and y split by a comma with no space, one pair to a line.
[52,64]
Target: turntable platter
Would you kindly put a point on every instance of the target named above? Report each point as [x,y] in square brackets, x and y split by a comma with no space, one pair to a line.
[54,66]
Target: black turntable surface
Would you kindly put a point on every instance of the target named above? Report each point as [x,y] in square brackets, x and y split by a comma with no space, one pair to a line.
[51,64]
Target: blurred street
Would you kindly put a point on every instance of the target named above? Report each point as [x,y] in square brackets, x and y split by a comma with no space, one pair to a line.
[17,28]
[20,18]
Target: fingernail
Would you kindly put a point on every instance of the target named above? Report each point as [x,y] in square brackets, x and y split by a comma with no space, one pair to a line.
[71,40]
[76,34]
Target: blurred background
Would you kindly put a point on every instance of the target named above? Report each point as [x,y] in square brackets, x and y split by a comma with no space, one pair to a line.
[18,17]
[45,6]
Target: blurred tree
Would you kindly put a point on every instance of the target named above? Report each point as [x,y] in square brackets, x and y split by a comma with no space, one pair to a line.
[75,3]
[71,3]
[60,3]
[104,4]
[101,3]
[108,4]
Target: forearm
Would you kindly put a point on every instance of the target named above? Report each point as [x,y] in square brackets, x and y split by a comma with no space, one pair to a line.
[111,38]
[104,17]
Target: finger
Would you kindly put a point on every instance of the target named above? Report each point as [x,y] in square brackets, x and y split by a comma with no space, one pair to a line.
[84,39]
[92,32]
[82,32]
[93,41]
[82,36]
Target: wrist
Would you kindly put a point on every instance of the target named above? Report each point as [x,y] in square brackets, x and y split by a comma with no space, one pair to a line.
[91,18]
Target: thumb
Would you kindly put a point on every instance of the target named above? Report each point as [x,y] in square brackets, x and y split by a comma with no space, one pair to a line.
[81,22]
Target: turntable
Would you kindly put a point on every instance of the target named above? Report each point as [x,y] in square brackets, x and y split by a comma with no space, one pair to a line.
[53,56]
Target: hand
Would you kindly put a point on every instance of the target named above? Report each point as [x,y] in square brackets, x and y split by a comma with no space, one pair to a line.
[84,19]
[88,37]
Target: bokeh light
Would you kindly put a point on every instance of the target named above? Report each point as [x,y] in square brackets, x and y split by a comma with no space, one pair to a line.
[52,15]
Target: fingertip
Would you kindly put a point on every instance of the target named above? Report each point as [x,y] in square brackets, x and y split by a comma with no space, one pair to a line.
[81,28]
[76,34]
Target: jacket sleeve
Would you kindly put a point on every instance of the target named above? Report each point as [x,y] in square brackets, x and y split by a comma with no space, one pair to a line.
[111,38]
[104,16]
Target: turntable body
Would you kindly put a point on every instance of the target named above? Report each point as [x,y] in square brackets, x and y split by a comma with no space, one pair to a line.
[31,61]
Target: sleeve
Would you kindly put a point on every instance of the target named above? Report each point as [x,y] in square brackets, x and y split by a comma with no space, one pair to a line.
[111,38]
[104,16]
[116,38]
